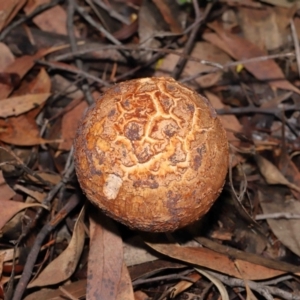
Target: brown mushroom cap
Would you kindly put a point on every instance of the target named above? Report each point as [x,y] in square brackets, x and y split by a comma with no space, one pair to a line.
[152,154]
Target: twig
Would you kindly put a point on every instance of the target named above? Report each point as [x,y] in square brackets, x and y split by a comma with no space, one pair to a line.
[258,110]
[191,40]
[296,44]
[84,84]
[257,59]
[205,290]
[114,14]
[153,59]
[21,165]
[66,177]
[217,66]
[276,111]
[23,19]
[50,196]
[74,71]
[277,280]
[99,27]
[164,50]
[265,291]
[227,66]
[132,71]
[280,215]
[73,201]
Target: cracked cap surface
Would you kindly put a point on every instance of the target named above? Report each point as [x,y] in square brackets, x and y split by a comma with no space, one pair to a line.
[152,154]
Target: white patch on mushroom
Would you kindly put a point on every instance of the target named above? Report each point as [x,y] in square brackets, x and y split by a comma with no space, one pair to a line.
[112,186]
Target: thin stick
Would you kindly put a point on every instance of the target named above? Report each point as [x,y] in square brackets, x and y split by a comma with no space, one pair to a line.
[191,40]
[74,71]
[264,290]
[279,215]
[32,257]
[23,19]
[113,13]
[70,26]
[217,66]
[99,27]
[296,44]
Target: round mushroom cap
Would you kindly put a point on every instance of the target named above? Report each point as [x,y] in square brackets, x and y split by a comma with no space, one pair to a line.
[152,154]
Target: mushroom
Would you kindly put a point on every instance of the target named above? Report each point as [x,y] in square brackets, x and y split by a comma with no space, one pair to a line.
[152,154]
